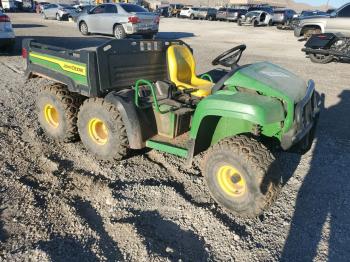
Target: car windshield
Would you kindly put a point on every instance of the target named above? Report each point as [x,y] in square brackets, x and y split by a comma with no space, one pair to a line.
[133,8]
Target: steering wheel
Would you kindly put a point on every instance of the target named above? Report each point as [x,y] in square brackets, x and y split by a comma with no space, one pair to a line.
[230,58]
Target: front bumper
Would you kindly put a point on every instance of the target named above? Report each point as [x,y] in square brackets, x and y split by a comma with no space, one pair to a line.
[306,115]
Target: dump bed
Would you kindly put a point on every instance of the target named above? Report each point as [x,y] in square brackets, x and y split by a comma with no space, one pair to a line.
[114,65]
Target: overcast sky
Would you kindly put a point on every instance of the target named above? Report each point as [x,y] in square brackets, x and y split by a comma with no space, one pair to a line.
[335,3]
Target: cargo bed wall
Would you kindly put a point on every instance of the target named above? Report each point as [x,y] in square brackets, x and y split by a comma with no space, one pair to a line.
[123,62]
[76,69]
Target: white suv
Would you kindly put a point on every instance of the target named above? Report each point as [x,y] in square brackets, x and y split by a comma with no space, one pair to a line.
[7,36]
[189,12]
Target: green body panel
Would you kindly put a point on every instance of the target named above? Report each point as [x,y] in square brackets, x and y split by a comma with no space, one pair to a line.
[171,149]
[273,81]
[55,64]
[239,111]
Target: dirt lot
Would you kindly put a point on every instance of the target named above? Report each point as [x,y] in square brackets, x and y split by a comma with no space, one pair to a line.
[59,203]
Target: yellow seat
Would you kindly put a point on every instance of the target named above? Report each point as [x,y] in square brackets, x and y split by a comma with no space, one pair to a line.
[182,71]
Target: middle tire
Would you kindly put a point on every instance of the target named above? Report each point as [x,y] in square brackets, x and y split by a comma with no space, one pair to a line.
[102,130]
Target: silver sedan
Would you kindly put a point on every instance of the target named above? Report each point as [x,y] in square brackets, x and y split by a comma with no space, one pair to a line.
[119,20]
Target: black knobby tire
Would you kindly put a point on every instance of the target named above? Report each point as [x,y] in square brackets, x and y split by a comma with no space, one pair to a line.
[57,98]
[116,145]
[83,28]
[321,59]
[257,167]
[119,32]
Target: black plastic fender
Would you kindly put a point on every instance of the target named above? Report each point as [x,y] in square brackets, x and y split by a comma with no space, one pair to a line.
[124,102]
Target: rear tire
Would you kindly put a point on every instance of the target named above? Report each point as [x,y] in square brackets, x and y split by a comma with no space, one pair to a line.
[102,130]
[321,59]
[83,28]
[119,32]
[57,110]
[242,175]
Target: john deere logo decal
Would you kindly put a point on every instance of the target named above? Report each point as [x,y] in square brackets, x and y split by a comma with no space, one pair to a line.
[79,69]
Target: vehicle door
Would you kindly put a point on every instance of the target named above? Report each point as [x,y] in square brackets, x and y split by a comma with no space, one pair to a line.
[94,20]
[339,22]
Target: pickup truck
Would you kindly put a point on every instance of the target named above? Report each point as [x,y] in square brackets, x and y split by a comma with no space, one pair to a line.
[337,22]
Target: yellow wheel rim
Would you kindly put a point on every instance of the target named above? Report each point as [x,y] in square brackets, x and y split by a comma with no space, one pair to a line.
[51,115]
[231,181]
[98,131]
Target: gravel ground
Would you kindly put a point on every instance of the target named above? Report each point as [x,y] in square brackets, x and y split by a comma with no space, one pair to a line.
[58,203]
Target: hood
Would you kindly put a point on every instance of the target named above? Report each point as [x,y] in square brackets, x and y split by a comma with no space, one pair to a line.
[270,79]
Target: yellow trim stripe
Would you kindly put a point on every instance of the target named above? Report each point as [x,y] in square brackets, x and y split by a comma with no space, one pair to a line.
[66,66]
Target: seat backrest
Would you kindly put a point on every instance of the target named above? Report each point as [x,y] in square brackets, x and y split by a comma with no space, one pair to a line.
[181,64]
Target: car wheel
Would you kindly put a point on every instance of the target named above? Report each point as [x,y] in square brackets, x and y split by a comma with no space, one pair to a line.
[255,23]
[58,18]
[270,23]
[119,32]
[83,28]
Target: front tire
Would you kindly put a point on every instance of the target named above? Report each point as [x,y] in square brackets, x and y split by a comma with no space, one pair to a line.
[57,110]
[119,32]
[102,130]
[242,175]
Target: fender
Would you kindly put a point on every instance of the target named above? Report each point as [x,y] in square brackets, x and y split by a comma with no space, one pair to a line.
[247,107]
[123,100]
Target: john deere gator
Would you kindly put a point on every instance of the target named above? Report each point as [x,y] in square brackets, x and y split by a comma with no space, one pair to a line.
[131,94]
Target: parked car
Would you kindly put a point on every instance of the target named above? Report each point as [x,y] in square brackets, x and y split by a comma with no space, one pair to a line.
[307,13]
[7,36]
[175,9]
[235,14]
[189,12]
[207,13]
[256,18]
[283,16]
[221,14]
[81,9]
[336,22]
[119,20]
[59,11]
[8,5]
[163,11]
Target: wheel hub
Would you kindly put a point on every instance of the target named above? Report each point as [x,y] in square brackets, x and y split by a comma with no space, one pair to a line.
[231,181]
[51,115]
[98,131]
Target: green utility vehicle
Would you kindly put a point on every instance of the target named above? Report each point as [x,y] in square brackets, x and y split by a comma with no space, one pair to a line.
[133,94]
